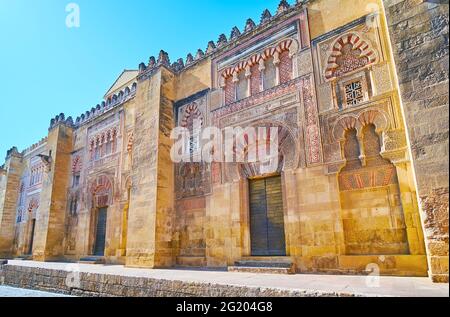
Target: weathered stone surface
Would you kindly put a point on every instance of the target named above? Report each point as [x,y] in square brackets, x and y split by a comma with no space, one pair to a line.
[94,281]
[419,35]
[322,74]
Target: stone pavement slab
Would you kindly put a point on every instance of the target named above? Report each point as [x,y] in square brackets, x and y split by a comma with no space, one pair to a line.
[351,285]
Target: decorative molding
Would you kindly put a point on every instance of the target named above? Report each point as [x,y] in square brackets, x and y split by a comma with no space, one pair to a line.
[312,128]
[341,63]
[275,92]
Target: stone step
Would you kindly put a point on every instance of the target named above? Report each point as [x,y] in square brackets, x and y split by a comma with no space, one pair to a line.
[261,270]
[24,258]
[268,264]
[268,258]
[92,260]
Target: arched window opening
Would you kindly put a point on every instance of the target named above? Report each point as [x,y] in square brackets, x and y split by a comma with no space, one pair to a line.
[270,74]
[242,86]
[352,150]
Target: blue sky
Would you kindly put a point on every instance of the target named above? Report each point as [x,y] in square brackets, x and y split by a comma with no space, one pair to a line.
[47,68]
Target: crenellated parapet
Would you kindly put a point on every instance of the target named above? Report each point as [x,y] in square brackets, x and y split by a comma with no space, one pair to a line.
[222,43]
[110,103]
[33,147]
[61,119]
[13,152]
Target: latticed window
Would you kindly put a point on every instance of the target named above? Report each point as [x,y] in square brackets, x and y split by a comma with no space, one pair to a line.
[193,144]
[354,93]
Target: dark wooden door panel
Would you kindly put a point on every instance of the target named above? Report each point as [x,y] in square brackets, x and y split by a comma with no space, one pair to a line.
[266,217]
[33,228]
[258,219]
[100,235]
[275,217]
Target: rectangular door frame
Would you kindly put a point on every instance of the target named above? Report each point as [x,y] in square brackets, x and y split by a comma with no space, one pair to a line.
[246,216]
[94,229]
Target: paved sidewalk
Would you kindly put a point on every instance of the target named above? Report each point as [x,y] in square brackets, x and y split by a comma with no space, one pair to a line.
[6,291]
[356,285]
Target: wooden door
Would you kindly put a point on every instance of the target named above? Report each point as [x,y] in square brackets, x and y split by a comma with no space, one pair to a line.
[266,217]
[100,233]
[30,245]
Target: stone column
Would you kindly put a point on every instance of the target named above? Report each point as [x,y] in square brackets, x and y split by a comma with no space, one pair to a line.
[9,190]
[151,210]
[419,36]
[50,221]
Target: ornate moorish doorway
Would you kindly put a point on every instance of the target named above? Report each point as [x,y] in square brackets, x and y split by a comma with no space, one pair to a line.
[100,232]
[266,217]
[31,226]
[101,191]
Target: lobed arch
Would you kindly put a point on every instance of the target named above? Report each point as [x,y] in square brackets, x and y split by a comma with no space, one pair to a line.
[290,45]
[101,186]
[191,111]
[77,164]
[33,205]
[377,117]
[103,137]
[367,55]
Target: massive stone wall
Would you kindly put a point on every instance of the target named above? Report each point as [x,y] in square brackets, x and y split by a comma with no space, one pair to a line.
[419,36]
[151,210]
[50,223]
[297,71]
[8,200]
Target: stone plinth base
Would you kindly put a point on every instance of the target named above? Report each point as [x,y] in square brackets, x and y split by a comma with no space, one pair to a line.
[191,261]
[384,265]
[106,280]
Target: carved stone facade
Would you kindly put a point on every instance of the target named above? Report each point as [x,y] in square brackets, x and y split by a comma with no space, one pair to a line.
[326,83]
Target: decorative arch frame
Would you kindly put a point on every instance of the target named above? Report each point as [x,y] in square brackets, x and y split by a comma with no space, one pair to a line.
[191,110]
[130,143]
[288,151]
[103,137]
[358,42]
[101,186]
[358,121]
[77,164]
[33,205]
[290,45]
